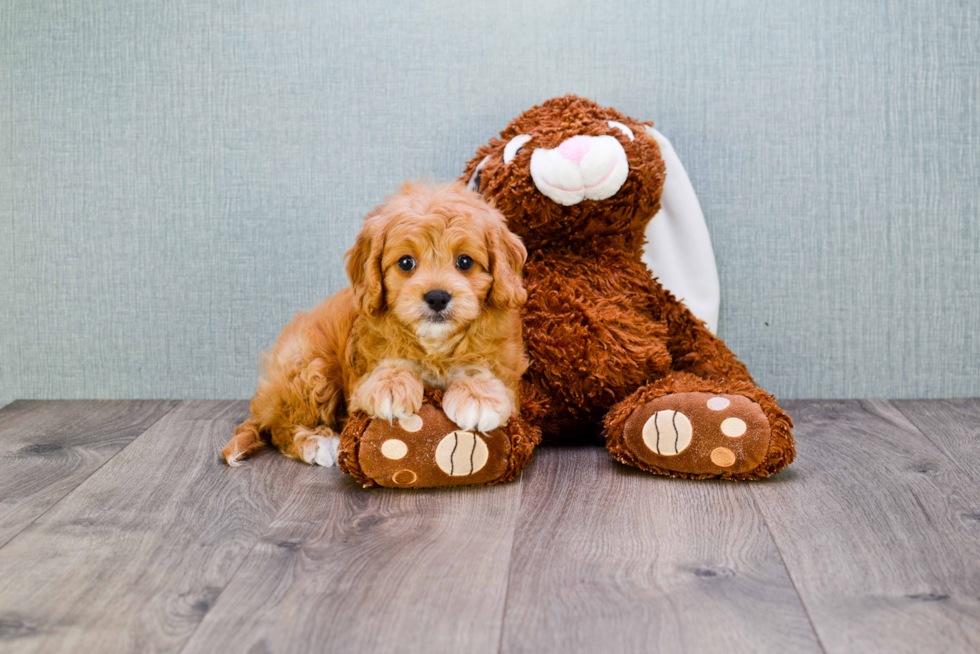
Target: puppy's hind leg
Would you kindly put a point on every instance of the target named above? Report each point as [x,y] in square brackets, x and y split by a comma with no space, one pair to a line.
[317,446]
[246,441]
[295,406]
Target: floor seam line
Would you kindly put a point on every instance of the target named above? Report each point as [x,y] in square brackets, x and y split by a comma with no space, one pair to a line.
[792,581]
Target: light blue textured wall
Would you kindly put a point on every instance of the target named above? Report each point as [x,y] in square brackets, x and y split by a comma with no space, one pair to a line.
[178,178]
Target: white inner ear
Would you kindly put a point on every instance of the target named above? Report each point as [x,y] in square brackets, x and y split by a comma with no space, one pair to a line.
[622,128]
[678,249]
[473,183]
[510,150]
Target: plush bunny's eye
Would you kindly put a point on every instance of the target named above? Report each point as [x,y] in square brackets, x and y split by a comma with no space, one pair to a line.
[622,128]
[514,146]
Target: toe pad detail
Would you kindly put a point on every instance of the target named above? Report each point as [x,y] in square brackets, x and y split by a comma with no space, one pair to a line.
[667,432]
[429,450]
[699,433]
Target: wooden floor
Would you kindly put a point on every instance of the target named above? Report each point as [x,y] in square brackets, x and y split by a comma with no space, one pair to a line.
[121,531]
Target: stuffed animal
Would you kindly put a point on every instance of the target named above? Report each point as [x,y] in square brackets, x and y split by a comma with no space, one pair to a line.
[612,353]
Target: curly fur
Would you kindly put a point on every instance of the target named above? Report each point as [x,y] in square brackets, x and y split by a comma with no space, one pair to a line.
[371,346]
[603,336]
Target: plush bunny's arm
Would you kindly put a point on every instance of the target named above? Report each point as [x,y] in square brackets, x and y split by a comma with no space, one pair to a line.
[678,250]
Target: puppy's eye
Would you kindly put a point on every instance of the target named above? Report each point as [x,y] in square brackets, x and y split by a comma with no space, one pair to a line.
[622,128]
[515,145]
[464,262]
[406,263]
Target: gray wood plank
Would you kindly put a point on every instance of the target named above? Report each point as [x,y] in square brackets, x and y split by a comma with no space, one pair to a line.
[879,531]
[951,425]
[134,557]
[344,569]
[611,559]
[49,448]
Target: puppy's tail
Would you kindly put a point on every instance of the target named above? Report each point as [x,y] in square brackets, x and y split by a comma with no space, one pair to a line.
[246,442]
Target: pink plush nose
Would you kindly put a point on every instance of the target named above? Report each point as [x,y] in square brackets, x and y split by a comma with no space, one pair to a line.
[575,148]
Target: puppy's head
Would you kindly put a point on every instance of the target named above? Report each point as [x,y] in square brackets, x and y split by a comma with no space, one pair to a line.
[434,257]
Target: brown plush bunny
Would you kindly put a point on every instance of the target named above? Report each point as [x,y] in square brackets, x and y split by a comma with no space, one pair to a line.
[611,351]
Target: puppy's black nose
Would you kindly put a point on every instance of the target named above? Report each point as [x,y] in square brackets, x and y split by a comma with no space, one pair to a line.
[437,300]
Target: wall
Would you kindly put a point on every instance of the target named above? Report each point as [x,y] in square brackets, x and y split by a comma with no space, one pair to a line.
[178,178]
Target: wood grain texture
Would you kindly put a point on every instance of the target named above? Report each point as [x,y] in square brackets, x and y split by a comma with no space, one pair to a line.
[879,531]
[344,569]
[611,559]
[49,448]
[135,556]
[951,425]
[869,542]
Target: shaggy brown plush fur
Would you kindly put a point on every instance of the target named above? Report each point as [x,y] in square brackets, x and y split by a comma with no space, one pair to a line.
[603,337]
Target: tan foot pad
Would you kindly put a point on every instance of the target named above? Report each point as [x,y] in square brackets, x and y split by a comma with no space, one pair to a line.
[699,433]
[428,450]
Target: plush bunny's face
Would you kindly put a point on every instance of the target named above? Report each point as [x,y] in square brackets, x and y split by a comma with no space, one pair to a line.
[569,172]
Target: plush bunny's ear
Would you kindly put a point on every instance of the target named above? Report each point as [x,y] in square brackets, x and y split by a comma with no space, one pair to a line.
[678,249]
[475,179]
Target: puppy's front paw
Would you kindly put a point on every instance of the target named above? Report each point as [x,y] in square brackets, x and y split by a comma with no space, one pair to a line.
[480,403]
[389,393]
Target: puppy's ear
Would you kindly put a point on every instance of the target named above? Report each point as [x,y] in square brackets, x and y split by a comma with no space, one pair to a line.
[364,267]
[507,257]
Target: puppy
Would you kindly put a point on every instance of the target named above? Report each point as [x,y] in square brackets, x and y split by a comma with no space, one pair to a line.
[434,299]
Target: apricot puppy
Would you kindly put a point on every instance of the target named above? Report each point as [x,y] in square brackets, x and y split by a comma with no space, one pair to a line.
[435,291]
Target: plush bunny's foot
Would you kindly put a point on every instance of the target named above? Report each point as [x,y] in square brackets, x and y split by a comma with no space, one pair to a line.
[428,450]
[700,434]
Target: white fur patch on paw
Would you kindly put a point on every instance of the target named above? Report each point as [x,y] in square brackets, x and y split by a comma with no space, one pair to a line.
[389,393]
[317,448]
[474,414]
[326,450]
[478,403]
